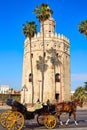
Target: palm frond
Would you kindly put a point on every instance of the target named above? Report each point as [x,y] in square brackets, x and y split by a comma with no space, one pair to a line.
[29,29]
[43,12]
[83,27]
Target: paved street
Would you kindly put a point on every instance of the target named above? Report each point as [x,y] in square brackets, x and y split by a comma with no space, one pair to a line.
[81,119]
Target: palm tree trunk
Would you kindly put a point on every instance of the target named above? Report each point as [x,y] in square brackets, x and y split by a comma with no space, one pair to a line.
[60,98]
[43,62]
[55,79]
[32,75]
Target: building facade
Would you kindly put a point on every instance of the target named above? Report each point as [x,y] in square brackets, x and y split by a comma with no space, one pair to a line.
[4,89]
[56,66]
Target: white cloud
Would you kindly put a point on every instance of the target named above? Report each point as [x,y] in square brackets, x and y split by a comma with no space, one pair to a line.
[78,77]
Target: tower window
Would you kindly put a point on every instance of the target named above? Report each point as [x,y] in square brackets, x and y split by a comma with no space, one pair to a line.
[57,77]
[32,55]
[44,54]
[30,77]
[56,54]
[57,96]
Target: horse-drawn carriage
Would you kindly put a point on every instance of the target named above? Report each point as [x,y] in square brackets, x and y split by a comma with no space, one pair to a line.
[14,118]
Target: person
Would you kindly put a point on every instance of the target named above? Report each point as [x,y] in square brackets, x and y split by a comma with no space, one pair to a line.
[38,100]
[48,102]
[38,105]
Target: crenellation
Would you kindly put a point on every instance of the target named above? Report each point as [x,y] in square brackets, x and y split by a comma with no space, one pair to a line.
[55,35]
[68,40]
[62,37]
[58,36]
[35,36]
[38,35]
[26,42]
[57,42]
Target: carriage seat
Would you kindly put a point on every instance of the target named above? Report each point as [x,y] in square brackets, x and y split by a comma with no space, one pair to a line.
[35,107]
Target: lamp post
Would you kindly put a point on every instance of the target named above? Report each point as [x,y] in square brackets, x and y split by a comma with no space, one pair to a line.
[10,92]
[2,97]
[39,89]
[24,89]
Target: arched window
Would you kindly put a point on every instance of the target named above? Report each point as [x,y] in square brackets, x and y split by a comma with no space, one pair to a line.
[30,77]
[31,55]
[57,77]
[57,96]
[44,54]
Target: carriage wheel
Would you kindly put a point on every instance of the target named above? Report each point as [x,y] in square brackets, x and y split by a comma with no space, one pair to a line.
[40,118]
[4,116]
[15,121]
[50,122]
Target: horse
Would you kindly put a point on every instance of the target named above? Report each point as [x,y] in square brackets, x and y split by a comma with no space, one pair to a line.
[68,107]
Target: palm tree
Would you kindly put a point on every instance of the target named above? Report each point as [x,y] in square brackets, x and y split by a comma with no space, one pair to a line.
[54,59]
[29,31]
[79,93]
[83,27]
[43,12]
[85,86]
[39,64]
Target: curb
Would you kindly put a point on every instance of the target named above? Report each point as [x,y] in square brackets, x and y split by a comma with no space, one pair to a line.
[82,128]
[4,107]
[82,108]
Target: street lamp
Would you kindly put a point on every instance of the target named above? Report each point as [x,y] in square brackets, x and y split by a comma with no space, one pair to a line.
[39,89]
[24,89]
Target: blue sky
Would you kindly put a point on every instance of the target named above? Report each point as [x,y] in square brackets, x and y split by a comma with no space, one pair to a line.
[67,13]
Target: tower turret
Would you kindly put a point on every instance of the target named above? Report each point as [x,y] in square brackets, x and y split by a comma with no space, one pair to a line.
[49,26]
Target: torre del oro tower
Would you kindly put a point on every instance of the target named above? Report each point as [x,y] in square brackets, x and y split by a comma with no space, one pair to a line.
[56,66]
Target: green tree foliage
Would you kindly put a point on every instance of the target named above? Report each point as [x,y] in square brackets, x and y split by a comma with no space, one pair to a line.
[43,12]
[29,29]
[83,27]
[85,86]
[79,93]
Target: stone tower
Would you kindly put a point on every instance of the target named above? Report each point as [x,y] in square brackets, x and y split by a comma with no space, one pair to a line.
[57,66]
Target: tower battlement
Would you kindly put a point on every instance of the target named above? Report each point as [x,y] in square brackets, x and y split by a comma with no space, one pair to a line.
[52,35]
[56,41]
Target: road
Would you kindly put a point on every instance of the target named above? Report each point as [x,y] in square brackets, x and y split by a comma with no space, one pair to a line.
[81,119]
